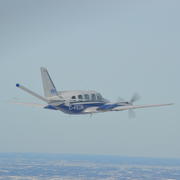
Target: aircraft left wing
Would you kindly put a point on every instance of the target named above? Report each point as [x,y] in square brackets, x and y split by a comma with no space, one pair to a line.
[91,110]
[28,104]
[121,108]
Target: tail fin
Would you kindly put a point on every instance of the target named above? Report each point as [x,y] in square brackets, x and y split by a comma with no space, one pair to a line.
[48,85]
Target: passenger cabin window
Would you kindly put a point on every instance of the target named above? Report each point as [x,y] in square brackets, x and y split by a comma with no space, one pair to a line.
[80,97]
[73,97]
[86,96]
[93,97]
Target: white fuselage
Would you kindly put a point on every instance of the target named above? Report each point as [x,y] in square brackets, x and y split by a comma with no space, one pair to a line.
[76,102]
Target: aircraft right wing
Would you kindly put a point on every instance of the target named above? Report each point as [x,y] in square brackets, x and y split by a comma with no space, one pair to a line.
[121,108]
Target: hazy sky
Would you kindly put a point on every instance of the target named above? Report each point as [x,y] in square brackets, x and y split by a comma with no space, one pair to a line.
[114,47]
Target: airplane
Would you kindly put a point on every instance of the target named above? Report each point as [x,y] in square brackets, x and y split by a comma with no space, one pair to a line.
[80,102]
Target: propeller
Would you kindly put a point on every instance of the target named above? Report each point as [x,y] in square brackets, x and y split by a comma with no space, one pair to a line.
[134,98]
[131,114]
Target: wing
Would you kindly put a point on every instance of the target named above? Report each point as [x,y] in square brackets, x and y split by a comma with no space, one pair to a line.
[91,110]
[121,108]
[28,104]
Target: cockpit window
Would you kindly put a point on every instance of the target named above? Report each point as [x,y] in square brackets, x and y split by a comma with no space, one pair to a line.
[80,96]
[93,97]
[99,97]
[86,96]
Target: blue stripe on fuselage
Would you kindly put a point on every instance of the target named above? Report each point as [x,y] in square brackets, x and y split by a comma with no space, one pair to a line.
[50,107]
[106,107]
[75,108]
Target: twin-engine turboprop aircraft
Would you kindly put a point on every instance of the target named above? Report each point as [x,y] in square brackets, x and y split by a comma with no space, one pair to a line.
[80,102]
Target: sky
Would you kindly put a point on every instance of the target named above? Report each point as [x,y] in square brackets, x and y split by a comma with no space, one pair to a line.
[114,47]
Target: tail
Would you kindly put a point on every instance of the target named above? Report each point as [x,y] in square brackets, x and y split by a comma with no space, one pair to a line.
[48,85]
[31,92]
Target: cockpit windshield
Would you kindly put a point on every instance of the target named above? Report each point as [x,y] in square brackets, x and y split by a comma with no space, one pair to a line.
[99,97]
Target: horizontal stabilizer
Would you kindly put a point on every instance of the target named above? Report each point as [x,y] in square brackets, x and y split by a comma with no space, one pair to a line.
[31,92]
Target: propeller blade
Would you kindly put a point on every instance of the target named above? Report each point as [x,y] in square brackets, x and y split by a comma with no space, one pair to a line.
[134,98]
[131,114]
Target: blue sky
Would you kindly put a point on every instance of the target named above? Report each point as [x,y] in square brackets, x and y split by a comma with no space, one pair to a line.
[114,47]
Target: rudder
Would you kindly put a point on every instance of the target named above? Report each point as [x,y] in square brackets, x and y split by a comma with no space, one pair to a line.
[48,85]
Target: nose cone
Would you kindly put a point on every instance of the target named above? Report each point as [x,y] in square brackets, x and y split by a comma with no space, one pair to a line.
[17,85]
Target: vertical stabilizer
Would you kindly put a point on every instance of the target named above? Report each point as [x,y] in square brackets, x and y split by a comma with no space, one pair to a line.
[48,85]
